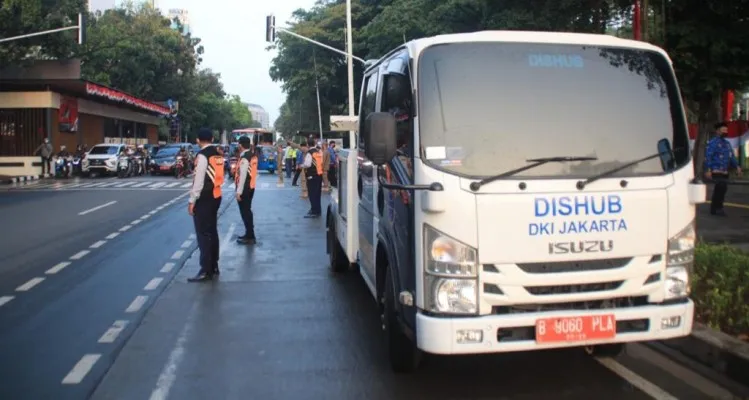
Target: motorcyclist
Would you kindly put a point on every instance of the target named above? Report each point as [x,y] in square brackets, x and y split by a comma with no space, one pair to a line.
[143,155]
[185,156]
[63,155]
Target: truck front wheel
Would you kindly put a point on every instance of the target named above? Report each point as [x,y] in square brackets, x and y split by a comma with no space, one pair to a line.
[337,257]
[605,350]
[404,355]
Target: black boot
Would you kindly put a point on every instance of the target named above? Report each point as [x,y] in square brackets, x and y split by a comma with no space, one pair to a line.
[201,277]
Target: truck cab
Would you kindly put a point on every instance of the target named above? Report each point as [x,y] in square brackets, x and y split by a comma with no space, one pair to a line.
[516,191]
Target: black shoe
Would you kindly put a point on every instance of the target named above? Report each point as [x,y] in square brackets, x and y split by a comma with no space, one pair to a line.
[312,216]
[216,272]
[201,277]
[719,212]
[246,240]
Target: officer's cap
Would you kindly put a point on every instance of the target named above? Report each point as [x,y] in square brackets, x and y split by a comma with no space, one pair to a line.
[205,135]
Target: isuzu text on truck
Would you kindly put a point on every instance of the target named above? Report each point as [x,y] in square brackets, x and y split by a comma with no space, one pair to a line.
[513,191]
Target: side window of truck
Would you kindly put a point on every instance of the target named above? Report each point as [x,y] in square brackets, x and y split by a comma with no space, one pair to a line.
[397,100]
[367,105]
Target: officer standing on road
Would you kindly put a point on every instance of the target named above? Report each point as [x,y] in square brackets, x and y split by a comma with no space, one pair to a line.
[313,172]
[205,200]
[245,181]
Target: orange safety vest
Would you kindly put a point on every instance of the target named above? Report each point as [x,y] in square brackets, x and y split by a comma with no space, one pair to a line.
[316,168]
[215,171]
[252,172]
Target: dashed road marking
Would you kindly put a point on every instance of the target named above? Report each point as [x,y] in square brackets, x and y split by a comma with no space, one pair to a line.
[178,254]
[111,334]
[171,185]
[57,268]
[636,380]
[157,185]
[80,369]
[186,244]
[141,184]
[90,210]
[192,236]
[136,222]
[98,244]
[79,255]
[5,300]
[113,235]
[153,284]
[136,304]
[125,228]
[167,267]
[153,212]
[30,284]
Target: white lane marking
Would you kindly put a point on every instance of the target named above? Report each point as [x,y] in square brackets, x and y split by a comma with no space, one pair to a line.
[136,304]
[90,210]
[126,227]
[167,267]
[169,373]
[636,380]
[141,184]
[136,222]
[98,244]
[5,300]
[113,235]
[157,185]
[29,284]
[173,184]
[111,334]
[153,284]
[186,244]
[146,216]
[153,211]
[80,369]
[57,268]
[79,255]
[178,254]
[108,184]
[227,238]
[186,185]
[124,184]
[192,236]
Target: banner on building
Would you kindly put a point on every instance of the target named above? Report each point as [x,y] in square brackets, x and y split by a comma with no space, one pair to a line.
[67,115]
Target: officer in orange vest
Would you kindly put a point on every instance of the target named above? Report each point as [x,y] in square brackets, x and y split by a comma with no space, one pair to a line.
[205,200]
[313,170]
[245,181]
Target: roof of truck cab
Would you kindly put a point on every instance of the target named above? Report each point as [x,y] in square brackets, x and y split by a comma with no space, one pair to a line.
[418,45]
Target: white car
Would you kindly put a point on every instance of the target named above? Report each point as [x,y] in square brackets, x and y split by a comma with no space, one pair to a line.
[102,159]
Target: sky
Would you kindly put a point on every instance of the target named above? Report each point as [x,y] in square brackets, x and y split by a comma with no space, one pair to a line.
[233,34]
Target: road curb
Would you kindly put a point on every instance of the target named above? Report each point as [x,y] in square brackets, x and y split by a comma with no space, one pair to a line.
[26,178]
[716,350]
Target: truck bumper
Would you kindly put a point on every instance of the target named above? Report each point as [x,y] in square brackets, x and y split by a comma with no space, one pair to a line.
[439,335]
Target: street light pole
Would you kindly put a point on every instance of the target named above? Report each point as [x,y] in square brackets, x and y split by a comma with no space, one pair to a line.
[349,57]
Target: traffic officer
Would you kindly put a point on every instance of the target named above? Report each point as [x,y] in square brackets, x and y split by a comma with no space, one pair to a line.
[245,181]
[205,200]
[313,172]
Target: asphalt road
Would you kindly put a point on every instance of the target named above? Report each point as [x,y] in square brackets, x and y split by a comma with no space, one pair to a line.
[279,325]
[65,277]
[121,322]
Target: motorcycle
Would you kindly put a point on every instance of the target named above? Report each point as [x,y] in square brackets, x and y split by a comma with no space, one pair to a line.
[233,162]
[124,167]
[180,170]
[77,166]
[139,166]
[62,167]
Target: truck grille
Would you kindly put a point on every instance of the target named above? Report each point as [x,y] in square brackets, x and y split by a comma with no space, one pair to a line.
[567,289]
[619,302]
[574,266]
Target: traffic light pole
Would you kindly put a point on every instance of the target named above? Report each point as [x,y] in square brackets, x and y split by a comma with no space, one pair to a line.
[298,36]
[81,31]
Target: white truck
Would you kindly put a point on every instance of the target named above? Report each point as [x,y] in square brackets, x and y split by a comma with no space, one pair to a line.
[514,191]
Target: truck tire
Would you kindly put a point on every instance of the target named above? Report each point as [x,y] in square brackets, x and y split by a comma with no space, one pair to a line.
[405,357]
[336,256]
[605,350]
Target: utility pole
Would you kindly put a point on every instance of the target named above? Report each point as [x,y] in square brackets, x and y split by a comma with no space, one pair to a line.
[349,55]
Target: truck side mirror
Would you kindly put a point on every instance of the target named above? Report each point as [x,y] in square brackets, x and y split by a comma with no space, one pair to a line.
[380,137]
[666,155]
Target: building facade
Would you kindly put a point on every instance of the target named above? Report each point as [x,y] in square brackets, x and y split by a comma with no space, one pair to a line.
[259,115]
[183,16]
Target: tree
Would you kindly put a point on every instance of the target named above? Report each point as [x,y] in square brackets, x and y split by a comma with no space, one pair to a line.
[19,17]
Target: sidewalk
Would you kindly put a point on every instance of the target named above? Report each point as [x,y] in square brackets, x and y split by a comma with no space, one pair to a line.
[23,178]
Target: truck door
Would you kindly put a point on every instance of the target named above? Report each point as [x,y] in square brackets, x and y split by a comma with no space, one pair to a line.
[366,186]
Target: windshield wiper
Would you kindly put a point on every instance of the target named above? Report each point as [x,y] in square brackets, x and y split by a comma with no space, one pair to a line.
[581,184]
[535,162]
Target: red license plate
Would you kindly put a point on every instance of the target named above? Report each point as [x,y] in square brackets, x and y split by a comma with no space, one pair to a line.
[164,168]
[575,329]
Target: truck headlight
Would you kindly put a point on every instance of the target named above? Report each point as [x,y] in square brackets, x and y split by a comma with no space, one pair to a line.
[450,274]
[680,262]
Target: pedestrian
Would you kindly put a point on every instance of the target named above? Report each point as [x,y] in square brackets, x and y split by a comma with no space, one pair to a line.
[245,181]
[333,167]
[313,169]
[205,200]
[288,159]
[719,160]
[45,151]
[300,153]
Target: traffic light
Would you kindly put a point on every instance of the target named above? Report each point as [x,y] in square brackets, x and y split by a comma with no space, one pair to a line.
[82,17]
[270,28]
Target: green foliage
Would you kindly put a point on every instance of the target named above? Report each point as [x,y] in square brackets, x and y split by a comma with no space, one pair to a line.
[132,49]
[720,288]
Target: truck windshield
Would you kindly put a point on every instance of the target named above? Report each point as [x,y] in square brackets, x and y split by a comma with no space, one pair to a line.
[485,108]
